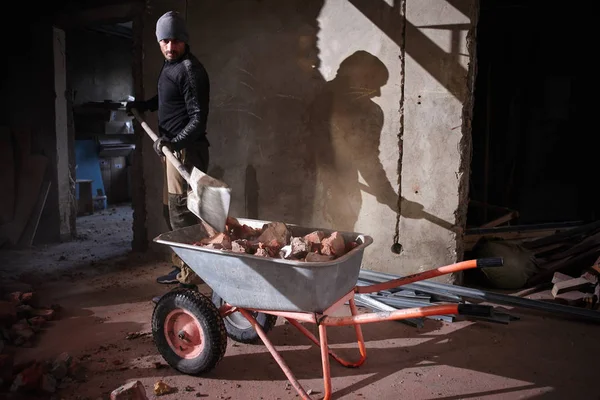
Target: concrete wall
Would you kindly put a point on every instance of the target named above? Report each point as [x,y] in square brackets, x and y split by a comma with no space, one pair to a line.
[99,66]
[306,117]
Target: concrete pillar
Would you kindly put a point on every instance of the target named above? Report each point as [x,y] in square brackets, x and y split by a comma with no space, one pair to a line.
[437,106]
[65,186]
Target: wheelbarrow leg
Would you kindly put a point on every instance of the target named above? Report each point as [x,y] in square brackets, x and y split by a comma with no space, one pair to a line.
[323,332]
[286,370]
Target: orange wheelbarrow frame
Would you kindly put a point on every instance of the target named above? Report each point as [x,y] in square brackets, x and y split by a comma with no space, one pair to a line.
[324,319]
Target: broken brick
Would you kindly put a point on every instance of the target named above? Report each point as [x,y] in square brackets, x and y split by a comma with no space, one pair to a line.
[27,298]
[261,251]
[334,245]
[275,231]
[22,330]
[130,391]
[273,248]
[315,237]
[14,298]
[299,247]
[239,246]
[46,313]
[28,379]
[316,257]
[220,239]
[239,231]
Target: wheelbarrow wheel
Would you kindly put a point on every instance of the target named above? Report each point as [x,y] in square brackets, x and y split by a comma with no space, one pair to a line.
[239,329]
[189,331]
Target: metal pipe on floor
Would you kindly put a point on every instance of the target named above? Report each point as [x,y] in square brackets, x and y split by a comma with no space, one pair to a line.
[496,298]
[405,303]
[367,301]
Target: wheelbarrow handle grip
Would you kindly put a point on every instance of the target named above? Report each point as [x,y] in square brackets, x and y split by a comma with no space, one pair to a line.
[170,156]
[490,262]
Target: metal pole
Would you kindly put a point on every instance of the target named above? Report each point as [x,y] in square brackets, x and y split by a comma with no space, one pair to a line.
[496,298]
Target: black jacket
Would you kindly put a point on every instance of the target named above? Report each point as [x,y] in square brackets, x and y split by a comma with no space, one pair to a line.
[182,101]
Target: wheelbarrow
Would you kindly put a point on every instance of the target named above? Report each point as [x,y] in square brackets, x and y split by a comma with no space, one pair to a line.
[189,329]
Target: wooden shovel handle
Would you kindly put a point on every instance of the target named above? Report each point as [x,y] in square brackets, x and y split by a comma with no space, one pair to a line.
[170,156]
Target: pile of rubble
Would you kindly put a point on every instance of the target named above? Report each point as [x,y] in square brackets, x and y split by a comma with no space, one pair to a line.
[40,378]
[22,317]
[275,240]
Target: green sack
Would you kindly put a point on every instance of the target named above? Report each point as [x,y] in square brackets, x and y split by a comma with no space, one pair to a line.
[519,263]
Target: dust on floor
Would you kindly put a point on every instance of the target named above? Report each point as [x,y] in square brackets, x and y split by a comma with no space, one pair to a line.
[105,293]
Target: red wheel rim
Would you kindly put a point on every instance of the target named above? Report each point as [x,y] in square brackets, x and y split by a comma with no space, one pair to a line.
[184,333]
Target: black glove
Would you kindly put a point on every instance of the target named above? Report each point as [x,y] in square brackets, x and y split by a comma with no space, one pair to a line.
[141,106]
[162,141]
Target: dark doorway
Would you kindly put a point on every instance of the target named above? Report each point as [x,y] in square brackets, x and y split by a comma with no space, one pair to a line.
[532,128]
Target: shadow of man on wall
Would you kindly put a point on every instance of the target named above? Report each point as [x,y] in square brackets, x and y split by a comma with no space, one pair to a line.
[345,124]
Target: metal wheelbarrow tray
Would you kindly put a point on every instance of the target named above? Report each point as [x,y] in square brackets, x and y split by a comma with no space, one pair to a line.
[189,331]
[249,281]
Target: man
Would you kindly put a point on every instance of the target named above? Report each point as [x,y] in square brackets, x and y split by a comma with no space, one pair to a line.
[182,102]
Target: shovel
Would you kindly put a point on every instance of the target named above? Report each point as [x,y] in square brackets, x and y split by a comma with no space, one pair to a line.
[209,198]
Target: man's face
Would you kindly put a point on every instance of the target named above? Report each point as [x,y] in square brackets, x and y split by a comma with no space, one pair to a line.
[172,49]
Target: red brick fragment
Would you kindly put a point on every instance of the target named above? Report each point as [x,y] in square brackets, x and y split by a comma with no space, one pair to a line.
[277,231]
[29,379]
[14,298]
[27,298]
[315,237]
[220,239]
[239,246]
[334,245]
[239,231]
[46,313]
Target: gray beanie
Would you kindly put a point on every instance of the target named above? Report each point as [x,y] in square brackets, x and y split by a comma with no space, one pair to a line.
[171,26]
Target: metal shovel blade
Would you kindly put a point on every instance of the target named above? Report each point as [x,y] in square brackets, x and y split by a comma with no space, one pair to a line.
[209,199]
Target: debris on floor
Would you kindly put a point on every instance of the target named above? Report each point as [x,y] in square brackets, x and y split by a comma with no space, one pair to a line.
[130,391]
[22,317]
[40,377]
[161,389]
[275,240]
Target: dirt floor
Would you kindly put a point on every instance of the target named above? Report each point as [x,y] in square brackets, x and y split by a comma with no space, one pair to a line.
[105,293]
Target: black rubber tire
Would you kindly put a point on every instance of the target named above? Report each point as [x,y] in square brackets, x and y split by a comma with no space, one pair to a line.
[211,322]
[239,329]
